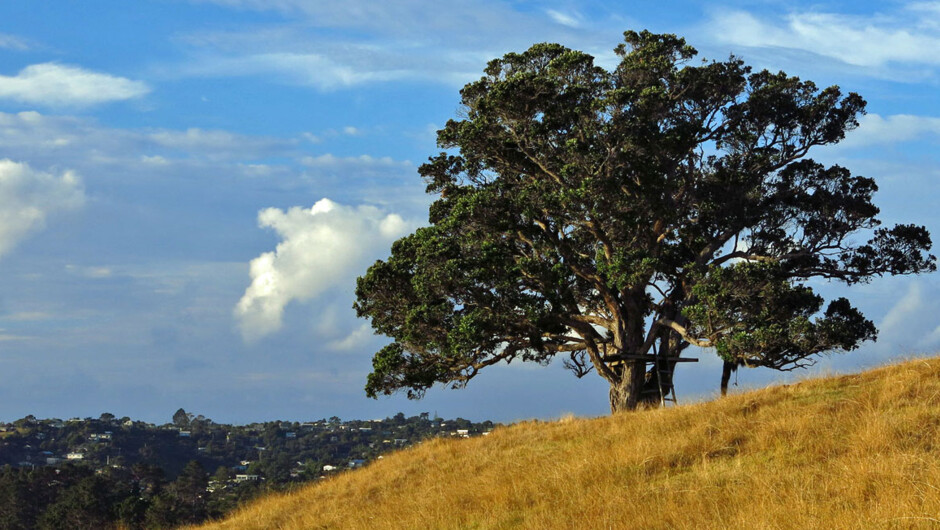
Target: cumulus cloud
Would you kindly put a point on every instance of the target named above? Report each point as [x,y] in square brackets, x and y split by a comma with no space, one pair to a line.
[56,84]
[855,40]
[321,247]
[28,197]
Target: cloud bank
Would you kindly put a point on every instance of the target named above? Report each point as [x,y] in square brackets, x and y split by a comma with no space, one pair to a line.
[28,197]
[361,42]
[867,41]
[63,85]
[897,128]
[321,247]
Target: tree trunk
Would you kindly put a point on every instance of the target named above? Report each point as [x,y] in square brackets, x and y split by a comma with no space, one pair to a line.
[726,370]
[625,393]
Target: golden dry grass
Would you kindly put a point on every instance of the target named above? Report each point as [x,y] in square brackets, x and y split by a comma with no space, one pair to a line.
[857,451]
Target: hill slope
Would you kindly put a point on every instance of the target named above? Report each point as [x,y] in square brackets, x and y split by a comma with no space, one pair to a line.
[845,452]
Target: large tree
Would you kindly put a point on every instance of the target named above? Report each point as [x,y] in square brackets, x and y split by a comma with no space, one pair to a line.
[607,216]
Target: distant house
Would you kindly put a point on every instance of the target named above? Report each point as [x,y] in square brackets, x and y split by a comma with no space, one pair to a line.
[52,460]
[365,429]
[75,456]
[356,463]
[185,434]
[401,441]
[290,435]
[246,477]
[464,433]
[329,468]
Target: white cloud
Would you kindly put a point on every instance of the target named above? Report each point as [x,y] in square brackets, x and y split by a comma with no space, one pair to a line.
[310,137]
[28,197]
[875,129]
[321,247]
[89,272]
[358,338]
[376,41]
[5,337]
[330,161]
[910,325]
[565,19]
[929,13]
[401,17]
[12,42]
[55,84]
[72,141]
[27,316]
[856,40]
[218,144]
[323,71]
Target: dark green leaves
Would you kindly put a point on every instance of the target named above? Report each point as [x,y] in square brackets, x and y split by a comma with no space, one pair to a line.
[592,213]
[752,313]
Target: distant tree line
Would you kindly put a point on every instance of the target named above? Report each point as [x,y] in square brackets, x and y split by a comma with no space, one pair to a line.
[120,473]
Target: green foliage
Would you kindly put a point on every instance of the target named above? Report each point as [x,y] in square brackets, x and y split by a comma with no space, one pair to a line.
[167,485]
[594,213]
[181,418]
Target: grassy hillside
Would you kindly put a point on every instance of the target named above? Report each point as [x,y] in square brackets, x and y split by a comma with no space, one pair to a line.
[857,451]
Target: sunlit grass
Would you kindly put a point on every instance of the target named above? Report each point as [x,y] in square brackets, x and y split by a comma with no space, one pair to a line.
[855,451]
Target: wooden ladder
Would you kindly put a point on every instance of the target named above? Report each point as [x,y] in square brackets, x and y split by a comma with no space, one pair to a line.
[669,395]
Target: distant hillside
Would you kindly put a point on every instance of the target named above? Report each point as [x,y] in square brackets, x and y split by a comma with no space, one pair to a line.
[120,473]
[856,451]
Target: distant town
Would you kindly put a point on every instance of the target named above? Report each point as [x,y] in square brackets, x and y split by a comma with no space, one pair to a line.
[111,471]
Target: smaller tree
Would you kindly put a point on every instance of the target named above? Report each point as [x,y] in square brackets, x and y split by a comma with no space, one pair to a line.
[190,489]
[181,419]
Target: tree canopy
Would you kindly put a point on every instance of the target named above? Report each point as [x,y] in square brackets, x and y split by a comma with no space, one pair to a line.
[608,215]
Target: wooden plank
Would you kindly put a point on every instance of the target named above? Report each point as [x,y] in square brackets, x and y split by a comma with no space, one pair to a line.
[650,358]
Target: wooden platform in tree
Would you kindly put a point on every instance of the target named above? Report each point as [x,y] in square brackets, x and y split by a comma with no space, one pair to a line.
[650,358]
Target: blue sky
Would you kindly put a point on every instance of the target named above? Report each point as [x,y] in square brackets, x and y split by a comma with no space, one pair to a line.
[188,189]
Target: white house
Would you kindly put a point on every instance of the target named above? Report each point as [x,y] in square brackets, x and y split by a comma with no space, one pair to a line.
[329,468]
[75,456]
